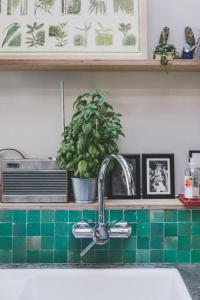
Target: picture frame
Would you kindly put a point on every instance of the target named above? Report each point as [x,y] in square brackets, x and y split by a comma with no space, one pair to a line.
[116,181]
[73,29]
[195,152]
[158,176]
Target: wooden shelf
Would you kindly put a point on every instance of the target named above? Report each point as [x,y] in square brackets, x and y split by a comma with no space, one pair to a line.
[61,64]
[123,204]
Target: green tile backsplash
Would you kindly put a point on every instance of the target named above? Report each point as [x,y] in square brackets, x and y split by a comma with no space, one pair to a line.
[45,236]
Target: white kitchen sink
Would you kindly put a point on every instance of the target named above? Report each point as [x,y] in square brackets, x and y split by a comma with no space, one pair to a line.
[92,284]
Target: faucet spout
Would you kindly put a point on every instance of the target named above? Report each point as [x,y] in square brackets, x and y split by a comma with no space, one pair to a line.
[101,183]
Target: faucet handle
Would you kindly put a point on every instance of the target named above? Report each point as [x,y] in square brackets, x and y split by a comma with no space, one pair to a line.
[87,248]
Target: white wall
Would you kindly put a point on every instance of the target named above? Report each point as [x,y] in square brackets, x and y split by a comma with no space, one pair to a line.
[161,112]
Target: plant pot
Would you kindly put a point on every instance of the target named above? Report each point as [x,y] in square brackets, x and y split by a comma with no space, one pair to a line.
[84,189]
[168,54]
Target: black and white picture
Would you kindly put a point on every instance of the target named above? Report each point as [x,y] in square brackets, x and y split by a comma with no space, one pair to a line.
[117,184]
[158,175]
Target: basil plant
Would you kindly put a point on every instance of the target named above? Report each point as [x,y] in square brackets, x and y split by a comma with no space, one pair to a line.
[90,136]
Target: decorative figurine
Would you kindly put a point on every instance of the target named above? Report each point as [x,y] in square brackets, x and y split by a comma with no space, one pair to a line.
[197,50]
[188,49]
[164,51]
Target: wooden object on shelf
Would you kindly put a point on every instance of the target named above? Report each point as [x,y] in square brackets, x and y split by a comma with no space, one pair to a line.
[62,64]
[189,202]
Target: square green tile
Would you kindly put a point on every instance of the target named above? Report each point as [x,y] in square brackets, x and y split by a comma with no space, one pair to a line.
[116,215]
[195,256]
[73,243]
[171,243]
[69,229]
[19,216]
[143,229]
[156,256]
[19,257]
[130,243]
[115,244]
[170,256]
[184,229]
[47,242]
[89,215]
[143,243]
[184,243]
[130,215]
[46,256]
[61,242]
[5,243]
[195,243]
[170,229]
[142,256]
[157,243]
[19,243]
[6,256]
[47,229]
[101,257]
[88,258]
[143,216]
[195,215]
[47,216]
[170,216]
[129,256]
[75,215]
[19,229]
[133,229]
[73,257]
[33,257]
[183,256]
[33,243]
[5,229]
[184,215]
[33,216]
[196,228]
[157,216]
[115,256]
[6,216]
[61,229]
[60,256]
[61,216]
[157,229]
[33,229]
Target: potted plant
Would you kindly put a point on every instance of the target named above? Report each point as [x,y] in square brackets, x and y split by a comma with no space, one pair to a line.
[87,140]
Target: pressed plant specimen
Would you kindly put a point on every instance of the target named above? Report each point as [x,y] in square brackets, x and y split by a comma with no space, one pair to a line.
[81,39]
[44,5]
[98,7]
[104,36]
[12,35]
[17,6]
[59,33]
[128,39]
[71,7]
[36,35]
[126,6]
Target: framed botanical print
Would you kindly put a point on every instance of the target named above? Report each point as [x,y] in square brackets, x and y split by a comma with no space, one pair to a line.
[82,29]
[158,176]
[117,184]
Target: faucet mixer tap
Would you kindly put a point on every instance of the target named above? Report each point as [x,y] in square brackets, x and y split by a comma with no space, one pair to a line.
[102,232]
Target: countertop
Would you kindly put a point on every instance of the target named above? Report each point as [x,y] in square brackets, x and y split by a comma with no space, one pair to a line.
[189,272]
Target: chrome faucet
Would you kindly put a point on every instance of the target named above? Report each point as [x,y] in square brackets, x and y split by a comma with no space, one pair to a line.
[102,232]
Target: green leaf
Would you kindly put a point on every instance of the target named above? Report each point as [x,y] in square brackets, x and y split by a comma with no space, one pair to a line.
[82,166]
[87,127]
[11,30]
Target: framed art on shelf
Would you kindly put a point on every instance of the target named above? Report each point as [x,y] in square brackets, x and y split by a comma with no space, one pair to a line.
[117,184]
[74,29]
[194,153]
[158,176]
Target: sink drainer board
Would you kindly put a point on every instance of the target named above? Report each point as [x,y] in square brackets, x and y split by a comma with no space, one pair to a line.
[90,284]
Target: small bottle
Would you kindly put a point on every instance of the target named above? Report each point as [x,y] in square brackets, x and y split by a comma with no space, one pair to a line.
[188,184]
[195,180]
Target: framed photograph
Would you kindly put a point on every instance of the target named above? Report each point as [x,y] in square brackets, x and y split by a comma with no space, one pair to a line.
[73,29]
[117,183]
[158,176]
[194,153]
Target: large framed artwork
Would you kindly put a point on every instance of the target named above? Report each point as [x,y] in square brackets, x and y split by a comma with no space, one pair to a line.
[86,29]
[158,176]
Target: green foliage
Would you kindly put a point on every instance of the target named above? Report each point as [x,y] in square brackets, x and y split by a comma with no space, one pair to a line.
[104,36]
[129,40]
[79,40]
[11,31]
[125,6]
[59,33]
[90,136]
[163,50]
[98,7]
[37,35]
[44,5]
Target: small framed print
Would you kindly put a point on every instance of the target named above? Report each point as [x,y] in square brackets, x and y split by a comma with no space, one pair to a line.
[194,153]
[117,183]
[158,176]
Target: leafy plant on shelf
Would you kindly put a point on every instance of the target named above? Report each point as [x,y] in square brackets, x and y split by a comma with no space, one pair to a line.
[37,35]
[90,136]
[163,51]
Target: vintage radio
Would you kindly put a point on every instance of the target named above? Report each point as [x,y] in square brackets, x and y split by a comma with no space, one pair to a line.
[33,180]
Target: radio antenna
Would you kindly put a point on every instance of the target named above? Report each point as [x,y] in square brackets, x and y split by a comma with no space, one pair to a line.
[63,104]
